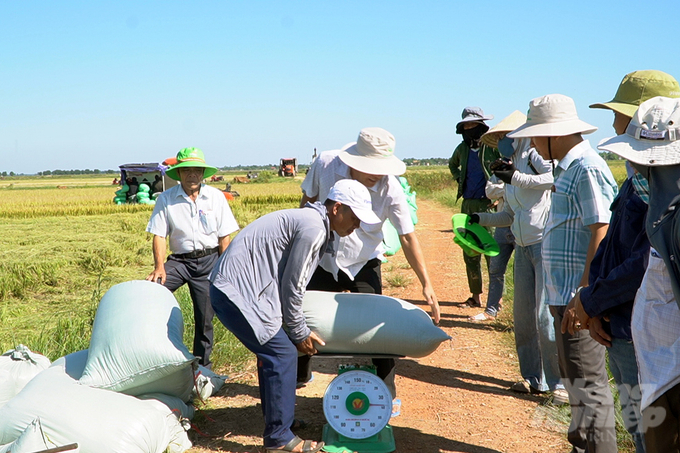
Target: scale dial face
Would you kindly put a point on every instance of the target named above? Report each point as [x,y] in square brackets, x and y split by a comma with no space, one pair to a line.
[357,404]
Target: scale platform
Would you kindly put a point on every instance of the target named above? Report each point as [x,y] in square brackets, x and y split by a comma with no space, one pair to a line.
[383,442]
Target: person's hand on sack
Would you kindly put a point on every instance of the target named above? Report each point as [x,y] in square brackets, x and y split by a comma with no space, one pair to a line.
[307,346]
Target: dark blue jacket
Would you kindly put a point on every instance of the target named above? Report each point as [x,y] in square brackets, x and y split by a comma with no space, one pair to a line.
[619,264]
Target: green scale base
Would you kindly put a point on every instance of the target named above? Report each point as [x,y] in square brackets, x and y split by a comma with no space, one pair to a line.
[383,442]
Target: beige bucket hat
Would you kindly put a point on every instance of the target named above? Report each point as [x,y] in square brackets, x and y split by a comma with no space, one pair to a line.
[507,124]
[373,153]
[553,115]
[653,134]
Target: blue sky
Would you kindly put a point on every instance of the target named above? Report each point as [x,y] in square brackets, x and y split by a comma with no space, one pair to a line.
[88,84]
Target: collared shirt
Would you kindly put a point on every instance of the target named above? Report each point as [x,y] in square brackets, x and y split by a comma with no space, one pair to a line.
[191,225]
[265,269]
[388,201]
[655,322]
[584,190]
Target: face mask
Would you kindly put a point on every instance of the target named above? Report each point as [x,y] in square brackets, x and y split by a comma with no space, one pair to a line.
[505,147]
[471,136]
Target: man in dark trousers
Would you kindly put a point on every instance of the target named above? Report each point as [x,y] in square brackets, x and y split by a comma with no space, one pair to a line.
[257,290]
[469,166]
[197,221]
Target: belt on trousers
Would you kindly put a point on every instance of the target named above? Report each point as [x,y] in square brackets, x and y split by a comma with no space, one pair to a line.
[196,253]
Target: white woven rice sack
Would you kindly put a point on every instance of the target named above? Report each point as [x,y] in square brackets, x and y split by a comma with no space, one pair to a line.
[370,324]
[6,387]
[31,440]
[73,364]
[207,382]
[177,407]
[17,367]
[136,344]
[100,421]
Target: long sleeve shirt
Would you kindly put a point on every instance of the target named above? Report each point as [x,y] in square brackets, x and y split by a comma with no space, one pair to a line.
[265,269]
[619,264]
[527,198]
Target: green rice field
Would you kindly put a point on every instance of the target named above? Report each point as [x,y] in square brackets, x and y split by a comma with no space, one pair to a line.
[63,243]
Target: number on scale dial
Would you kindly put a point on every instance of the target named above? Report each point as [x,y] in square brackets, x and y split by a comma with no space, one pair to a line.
[357,404]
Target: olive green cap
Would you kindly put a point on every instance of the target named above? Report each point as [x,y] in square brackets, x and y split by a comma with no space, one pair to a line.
[639,86]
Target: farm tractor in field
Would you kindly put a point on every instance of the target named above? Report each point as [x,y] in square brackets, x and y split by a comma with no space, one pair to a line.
[288,166]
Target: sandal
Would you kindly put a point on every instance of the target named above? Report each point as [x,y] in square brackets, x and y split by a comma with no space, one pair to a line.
[470,302]
[290,446]
[298,423]
[481,317]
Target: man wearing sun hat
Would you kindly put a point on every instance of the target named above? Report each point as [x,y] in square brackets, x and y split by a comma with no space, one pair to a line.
[197,221]
[356,266]
[578,218]
[651,142]
[605,306]
[257,290]
[528,179]
[469,166]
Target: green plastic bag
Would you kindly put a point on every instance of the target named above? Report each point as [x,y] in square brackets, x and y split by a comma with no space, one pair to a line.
[410,199]
[390,238]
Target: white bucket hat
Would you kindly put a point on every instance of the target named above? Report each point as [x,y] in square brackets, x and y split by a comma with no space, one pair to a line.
[373,153]
[507,124]
[653,135]
[355,195]
[553,115]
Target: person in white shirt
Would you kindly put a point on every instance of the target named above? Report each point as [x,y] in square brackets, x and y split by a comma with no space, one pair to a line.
[197,221]
[356,265]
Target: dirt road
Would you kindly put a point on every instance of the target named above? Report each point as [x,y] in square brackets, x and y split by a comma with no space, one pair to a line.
[455,400]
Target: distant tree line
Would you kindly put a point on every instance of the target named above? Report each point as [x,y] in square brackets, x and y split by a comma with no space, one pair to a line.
[606,155]
[410,161]
[87,171]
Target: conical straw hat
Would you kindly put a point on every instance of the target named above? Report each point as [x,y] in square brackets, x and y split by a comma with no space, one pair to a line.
[507,124]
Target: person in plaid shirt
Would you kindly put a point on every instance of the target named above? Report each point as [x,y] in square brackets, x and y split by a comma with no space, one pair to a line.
[578,220]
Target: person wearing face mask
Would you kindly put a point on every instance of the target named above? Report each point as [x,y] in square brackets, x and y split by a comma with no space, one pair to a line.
[469,166]
[528,180]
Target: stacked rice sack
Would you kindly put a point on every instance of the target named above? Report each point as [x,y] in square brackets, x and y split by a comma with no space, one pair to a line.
[127,393]
[121,194]
[17,367]
[144,195]
[33,439]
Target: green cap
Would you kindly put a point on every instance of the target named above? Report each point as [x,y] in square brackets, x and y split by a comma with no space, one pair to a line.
[637,87]
[473,238]
[190,157]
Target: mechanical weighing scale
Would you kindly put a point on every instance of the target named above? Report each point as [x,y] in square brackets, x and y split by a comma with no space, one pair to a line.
[358,406]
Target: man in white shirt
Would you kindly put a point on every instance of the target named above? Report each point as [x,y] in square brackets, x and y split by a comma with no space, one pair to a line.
[356,265]
[197,221]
